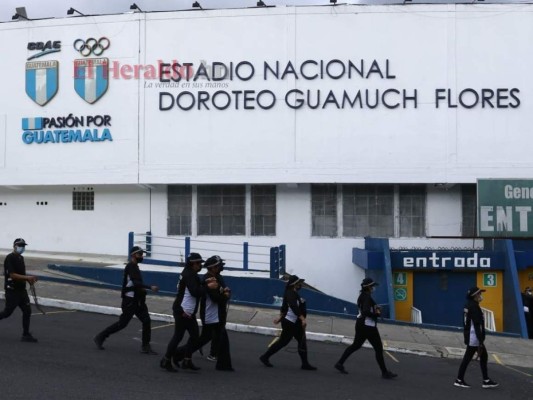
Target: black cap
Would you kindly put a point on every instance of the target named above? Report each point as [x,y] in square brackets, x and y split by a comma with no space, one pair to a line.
[214,261]
[20,242]
[136,249]
[194,257]
[368,282]
[294,279]
[473,291]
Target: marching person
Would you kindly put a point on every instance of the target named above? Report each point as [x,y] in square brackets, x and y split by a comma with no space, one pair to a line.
[15,279]
[190,291]
[133,303]
[366,328]
[213,315]
[293,315]
[474,335]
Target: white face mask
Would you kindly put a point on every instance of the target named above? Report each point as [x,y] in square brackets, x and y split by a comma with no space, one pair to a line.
[20,249]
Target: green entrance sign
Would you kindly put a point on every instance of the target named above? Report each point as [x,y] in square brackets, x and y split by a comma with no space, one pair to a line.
[505,207]
[400,279]
[400,294]
[490,280]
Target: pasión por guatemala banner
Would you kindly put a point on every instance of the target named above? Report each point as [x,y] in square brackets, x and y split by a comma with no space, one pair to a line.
[203,87]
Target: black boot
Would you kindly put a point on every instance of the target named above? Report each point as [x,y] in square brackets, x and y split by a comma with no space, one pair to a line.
[264,360]
[99,341]
[308,367]
[166,364]
[339,367]
[388,375]
[187,364]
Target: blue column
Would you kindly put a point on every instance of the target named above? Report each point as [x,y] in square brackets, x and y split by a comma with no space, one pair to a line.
[245,256]
[130,244]
[187,247]
[274,262]
[282,259]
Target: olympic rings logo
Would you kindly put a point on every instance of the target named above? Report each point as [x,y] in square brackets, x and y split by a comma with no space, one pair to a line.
[92,46]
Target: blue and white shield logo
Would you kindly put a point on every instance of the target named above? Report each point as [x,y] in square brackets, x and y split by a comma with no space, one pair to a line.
[91,78]
[42,80]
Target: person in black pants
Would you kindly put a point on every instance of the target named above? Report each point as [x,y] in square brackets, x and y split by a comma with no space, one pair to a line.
[474,335]
[133,303]
[366,328]
[15,279]
[213,315]
[293,322]
[190,291]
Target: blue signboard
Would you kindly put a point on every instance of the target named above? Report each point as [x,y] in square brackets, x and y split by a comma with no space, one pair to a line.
[446,259]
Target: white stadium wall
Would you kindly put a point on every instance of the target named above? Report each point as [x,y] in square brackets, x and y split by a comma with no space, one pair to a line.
[467,65]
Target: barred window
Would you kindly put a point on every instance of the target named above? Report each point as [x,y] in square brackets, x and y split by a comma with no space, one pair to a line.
[83,199]
[412,210]
[221,209]
[368,210]
[469,207]
[324,210]
[263,210]
[179,210]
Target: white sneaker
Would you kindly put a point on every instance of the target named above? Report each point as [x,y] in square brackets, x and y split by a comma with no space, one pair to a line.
[211,358]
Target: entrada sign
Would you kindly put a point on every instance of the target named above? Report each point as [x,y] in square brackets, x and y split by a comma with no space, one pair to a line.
[431,260]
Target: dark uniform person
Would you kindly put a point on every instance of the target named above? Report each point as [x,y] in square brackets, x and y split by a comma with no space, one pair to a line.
[527,300]
[133,303]
[366,328]
[293,315]
[474,335]
[213,315]
[190,291]
[15,279]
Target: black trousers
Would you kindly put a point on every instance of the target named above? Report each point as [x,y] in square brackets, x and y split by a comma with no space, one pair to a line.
[183,324]
[363,333]
[210,333]
[290,330]
[14,299]
[131,307]
[469,354]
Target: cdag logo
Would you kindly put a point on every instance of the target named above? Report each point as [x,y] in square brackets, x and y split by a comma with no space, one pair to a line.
[91,75]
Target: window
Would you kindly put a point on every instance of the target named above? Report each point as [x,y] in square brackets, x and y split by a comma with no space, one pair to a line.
[221,210]
[412,210]
[83,199]
[368,210]
[179,210]
[469,204]
[263,210]
[324,210]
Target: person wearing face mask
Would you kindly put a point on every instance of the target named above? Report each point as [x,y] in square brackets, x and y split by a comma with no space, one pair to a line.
[190,291]
[366,328]
[293,323]
[133,303]
[15,279]
[474,336]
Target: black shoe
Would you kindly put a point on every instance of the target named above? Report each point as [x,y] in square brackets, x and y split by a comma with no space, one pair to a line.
[489,384]
[166,364]
[98,341]
[340,368]
[148,350]
[28,338]
[265,361]
[461,383]
[229,369]
[187,364]
[389,375]
[308,367]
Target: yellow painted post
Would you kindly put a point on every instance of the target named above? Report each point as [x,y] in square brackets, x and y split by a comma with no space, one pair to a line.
[492,282]
[402,285]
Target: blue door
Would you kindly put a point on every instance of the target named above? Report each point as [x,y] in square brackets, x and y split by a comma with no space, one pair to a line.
[441,296]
